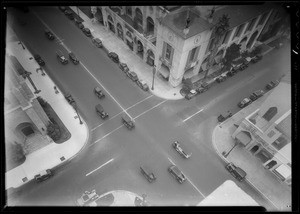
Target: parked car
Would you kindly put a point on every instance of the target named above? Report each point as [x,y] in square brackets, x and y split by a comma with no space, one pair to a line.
[124,67]
[39,60]
[272,84]
[43,175]
[69,98]
[61,57]
[178,175]
[62,8]
[142,84]
[132,75]
[49,34]
[99,93]
[148,174]
[222,118]
[191,94]
[126,120]
[231,73]
[97,42]
[87,32]
[73,58]
[114,56]
[178,148]
[256,94]
[69,14]
[100,111]
[256,58]
[237,172]
[220,78]
[245,102]
[86,197]
[201,90]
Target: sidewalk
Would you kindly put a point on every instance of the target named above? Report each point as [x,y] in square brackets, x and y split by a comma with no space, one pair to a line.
[52,154]
[135,63]
[262,179]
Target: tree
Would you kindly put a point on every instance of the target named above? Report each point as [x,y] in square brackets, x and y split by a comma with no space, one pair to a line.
[232,52]
[217,33]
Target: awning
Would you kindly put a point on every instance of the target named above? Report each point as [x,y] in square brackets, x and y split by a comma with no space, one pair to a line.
[243,137]
[283,170]
[164,72]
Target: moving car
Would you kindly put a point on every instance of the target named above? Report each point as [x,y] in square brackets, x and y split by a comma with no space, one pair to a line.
[39,60]
[147,174]
[114,56]
[61,57]
[178,148]
[178,175]
[87,197]
[222,118]
[244,103]
[126,120]
[43,175]
[98,92]
[49,34]
[256,94]
[69,14]
[142,84]
[191,94]
[272,84]
[124,67]
[73,58]
[69,98]
[132,75]
[100,111]
[87,32]
[237,172]
[97,42]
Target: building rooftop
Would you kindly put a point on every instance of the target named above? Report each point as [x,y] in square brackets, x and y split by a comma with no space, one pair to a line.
[238,14]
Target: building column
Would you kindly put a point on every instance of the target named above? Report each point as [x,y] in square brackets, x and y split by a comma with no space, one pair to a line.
[173,80]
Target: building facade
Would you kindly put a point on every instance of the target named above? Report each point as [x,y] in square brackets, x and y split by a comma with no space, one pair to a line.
[178,39]
[25,119]
[266,133]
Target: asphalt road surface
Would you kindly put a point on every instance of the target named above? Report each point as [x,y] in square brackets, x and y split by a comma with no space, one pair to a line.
[112,158]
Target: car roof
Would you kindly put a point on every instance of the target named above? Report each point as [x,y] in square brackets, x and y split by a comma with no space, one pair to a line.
[97,88]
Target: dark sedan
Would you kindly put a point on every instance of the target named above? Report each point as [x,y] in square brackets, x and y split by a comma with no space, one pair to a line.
[69,14]
[87,32]
[39,60]
[114,56]
[49,34]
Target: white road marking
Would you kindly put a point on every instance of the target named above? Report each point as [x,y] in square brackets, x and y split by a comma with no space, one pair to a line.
[106,121]
[189,180]
[106,135]
[262,194]
[193,115]
[150,109]
[99,167]
[139,102]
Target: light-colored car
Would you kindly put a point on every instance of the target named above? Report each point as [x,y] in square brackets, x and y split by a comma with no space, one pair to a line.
[142,84]
[244,102]
[256,94]
[87,197]
[178,148]
[97,42]
[61,57]
[178,175]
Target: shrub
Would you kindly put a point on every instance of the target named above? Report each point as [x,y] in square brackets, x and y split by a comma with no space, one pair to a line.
[42,102]
[53,131]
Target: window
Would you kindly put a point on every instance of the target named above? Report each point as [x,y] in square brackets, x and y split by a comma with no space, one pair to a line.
[262,18]
[270,113]
[239,30]
[168,52]
[250,26]
[227,36]
[192,54]
[128,10]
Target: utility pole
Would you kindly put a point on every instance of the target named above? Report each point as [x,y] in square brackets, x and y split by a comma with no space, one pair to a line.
[154,72]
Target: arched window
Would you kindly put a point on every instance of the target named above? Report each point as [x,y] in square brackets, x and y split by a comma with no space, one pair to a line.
[270,113]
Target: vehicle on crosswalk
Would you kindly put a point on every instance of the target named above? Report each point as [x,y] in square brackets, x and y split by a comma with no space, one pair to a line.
[100,111]
[127,121]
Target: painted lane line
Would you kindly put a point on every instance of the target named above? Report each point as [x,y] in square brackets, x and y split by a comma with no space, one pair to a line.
[99,167]
[189,180]
[106,121]
[105,136]
[193,115]
[150,109]
[139,102]
[105,89]
[262,194]
[121,112]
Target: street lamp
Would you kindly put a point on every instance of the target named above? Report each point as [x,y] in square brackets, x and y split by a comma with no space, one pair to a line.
[25,75]
[235,144]
[154,72]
